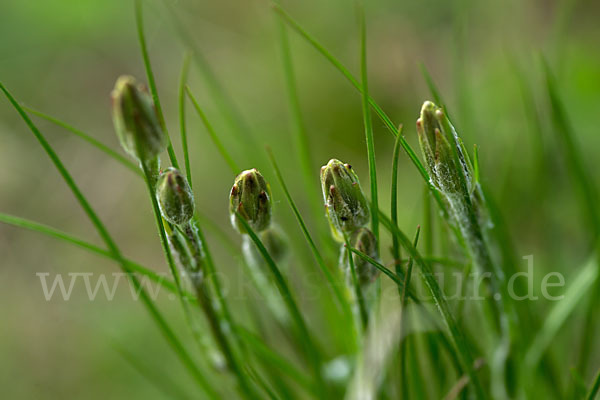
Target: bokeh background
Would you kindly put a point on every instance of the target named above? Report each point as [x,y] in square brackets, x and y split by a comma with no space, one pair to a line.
[63,57]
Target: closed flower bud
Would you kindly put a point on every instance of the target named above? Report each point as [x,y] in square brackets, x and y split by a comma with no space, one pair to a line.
[346,205]
[135,120]
[250,197]
[364,241]
[443,150]
[175,197]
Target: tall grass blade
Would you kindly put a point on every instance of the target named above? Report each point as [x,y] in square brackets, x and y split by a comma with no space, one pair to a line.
[182,122]
[368,123]
[103,232]
[213,135]
[394,201]
[139,21]
[360,299]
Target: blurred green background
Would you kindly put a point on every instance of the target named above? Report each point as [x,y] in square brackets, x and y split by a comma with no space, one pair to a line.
[63,57]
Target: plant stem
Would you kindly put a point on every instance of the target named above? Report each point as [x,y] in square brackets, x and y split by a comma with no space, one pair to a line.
[362,308]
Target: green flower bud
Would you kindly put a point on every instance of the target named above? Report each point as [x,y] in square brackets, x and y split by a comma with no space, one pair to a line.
[346,205]
[364,241]
[250,196]
[443,151]
[175,197]
[135,120]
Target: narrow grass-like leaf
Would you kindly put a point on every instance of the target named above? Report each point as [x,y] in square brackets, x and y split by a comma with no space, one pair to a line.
[403,295]
[110,243]
[394,199]
[595,388]
[182,122]
[139,21]
[368,123]
[291,305]
[99,145]
[409,267]
[333,285]
[397,278]
[213,135]
[362,307]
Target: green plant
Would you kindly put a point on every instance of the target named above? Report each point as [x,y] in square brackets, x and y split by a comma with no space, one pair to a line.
[358,341]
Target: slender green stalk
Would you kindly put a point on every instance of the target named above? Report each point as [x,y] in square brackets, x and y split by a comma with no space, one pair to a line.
[182,123]
[103,232]
[403,295]
[394,202]
[409,267]
[213,135]
[139,20]
[291,305]
[161,231]
[368,123]
[360,299]
[398,278]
